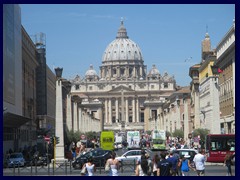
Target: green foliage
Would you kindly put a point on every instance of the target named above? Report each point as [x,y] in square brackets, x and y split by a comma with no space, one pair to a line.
[91,135]
[168,134]
[201,132]
[149,132]
[178,133]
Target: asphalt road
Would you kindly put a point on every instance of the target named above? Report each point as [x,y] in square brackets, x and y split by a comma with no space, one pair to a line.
[210,170]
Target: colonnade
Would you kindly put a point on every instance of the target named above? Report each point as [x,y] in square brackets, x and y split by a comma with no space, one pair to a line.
[115,103]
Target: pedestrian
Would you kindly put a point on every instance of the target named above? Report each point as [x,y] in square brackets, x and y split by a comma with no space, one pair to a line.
[114,165]
[228,163]
[150,165]
[156,159]
[184,164]
[142,167]
[164,167]
[90,167]
[172,159]
[199,161]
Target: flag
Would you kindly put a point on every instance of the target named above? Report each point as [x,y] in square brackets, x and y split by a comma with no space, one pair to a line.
[219,70]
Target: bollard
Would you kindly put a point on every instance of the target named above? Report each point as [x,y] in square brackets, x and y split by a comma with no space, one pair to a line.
[14,169]
[53,166]
[65,167]
[18,170]
[35,166]
[31,168]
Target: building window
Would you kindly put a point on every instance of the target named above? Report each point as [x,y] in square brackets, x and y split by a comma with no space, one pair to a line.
[90,88]
[130,119]
[152,86]
[130,87]
[76,87]
[142,117]
[165,85]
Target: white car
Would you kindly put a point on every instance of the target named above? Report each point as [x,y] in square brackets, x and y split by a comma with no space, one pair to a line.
[118,145]
[131,156]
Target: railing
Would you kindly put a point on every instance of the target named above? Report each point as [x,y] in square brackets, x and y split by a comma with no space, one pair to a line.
[62,168]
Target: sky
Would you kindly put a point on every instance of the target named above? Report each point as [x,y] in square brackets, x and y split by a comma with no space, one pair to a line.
[168,35]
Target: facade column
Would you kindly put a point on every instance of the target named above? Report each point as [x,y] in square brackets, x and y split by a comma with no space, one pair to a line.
[134,71]
[106,111]
[133,110]
[137,109]
[75,115]
[80,119]
[110,111]
[196,110]
[101,119]
[141,71]
[127,115]
[186,120]
[69,112]
[117,109]
[127,71]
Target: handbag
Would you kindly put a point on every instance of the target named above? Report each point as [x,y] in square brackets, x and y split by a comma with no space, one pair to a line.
[84,170]
[107,167]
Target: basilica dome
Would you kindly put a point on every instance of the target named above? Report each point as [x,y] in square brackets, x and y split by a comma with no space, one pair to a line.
[122,48]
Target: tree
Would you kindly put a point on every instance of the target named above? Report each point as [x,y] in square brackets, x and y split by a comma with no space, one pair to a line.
[200,132]
[168,134]
[178,133]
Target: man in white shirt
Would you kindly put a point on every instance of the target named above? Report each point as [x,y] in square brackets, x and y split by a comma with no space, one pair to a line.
[199,160]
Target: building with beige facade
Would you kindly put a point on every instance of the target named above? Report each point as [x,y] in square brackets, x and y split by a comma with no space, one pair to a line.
[225,52]
[125,96]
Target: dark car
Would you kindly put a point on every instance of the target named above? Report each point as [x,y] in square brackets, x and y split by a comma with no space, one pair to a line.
[99,156]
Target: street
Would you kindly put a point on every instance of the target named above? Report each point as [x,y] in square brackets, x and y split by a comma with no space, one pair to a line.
[65,170]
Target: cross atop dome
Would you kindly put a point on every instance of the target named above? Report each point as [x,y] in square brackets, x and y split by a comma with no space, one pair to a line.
[122,32]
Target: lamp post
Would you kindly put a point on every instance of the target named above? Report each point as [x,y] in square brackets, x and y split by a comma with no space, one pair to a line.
[59,129]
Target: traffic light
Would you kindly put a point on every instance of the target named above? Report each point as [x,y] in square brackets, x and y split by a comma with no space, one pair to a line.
[57,140]
[51,139]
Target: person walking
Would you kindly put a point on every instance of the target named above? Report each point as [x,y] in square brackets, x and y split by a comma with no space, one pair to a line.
[199,161]
[142,167]
[184,164]
[228,163]
[156,159]
[90,167]
[114,165]
[172,159]
[164,167]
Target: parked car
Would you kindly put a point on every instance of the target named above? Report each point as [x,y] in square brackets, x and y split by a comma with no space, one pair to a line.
[99,156]
[16,159]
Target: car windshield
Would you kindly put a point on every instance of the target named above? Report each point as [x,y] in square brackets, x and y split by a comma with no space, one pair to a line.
[16,156]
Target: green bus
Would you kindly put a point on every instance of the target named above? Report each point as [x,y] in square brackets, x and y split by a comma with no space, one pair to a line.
[107,140]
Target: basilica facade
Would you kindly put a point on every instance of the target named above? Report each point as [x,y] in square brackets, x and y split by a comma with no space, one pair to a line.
[125,95]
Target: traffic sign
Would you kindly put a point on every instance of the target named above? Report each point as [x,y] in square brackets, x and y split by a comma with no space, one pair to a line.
[83,136]
[46,138]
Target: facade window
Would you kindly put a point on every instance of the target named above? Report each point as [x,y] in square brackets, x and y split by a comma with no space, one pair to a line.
[130,119]
[142,117]
[130,87]
[113,119]
[90,88]
[165,85]
[76,87]
[152,86]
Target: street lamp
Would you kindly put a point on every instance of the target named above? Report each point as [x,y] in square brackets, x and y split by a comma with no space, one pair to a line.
[215,69]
